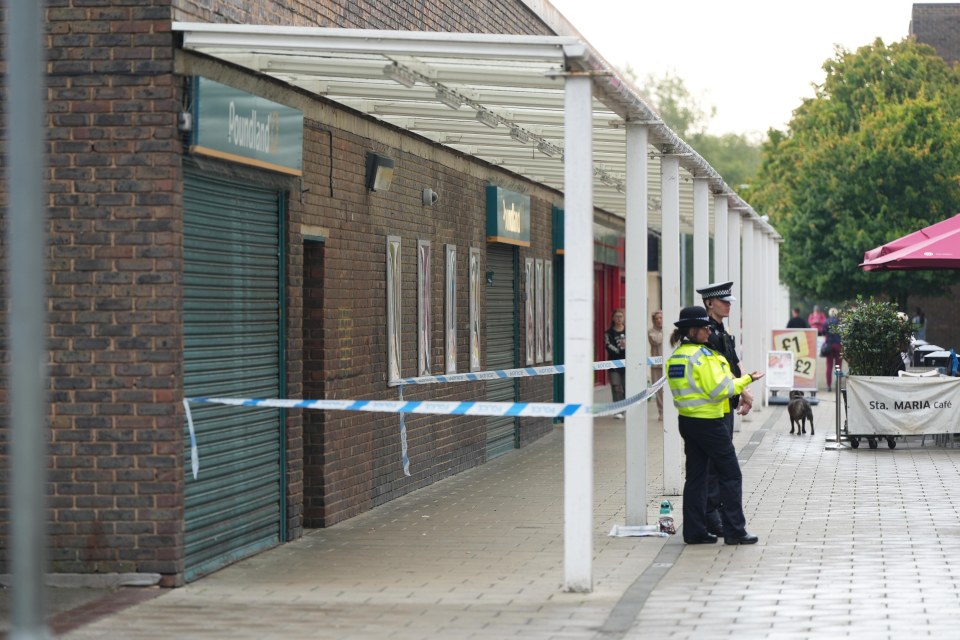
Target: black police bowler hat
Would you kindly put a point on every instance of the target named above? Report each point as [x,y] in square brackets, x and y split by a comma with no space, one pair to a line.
[722,290]
[692,317]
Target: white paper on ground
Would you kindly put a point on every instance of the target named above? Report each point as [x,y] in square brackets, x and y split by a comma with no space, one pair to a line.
[624,531]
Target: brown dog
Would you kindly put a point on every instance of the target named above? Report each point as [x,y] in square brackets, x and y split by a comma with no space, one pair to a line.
[800,411]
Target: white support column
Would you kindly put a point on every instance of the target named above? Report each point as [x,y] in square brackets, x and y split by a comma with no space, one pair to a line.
[720,232]
[734,273]
[782,311]
[701,233]
[636,312]
[578,335]
[762,309]
[750,305]
[670,213]
[775,318]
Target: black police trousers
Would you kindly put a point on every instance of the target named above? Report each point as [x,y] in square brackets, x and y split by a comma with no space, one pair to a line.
[708,446]
[714,521]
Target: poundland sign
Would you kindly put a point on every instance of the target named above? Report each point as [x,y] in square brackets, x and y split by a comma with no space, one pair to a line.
[508,217]
[241,127]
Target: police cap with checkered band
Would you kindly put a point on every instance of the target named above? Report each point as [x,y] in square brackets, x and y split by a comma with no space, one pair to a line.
[721,290]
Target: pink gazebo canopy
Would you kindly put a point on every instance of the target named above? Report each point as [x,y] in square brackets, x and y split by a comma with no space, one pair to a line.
[911,239]
[940,251]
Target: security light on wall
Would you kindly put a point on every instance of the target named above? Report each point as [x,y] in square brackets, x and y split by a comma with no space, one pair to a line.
[379,172]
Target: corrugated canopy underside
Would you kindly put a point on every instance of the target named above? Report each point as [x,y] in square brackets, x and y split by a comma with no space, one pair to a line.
[494,97]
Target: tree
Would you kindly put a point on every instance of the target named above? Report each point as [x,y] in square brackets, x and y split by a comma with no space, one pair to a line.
[734,156]
[669,95]
[874,155]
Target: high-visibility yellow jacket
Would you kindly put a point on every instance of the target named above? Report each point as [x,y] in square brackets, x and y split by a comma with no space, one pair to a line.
[701,381]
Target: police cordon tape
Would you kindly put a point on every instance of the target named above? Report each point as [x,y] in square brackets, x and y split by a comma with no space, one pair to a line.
[441,407]
[522,372]
[466,408]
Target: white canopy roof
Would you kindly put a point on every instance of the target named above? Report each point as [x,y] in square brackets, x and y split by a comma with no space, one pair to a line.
[499,98]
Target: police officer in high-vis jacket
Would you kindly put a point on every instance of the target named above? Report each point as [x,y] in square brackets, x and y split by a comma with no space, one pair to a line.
[702,384]
[717,298]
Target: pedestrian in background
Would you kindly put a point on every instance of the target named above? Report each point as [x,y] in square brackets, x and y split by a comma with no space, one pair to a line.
[921,321]
[702,384]
[615,342]
[796,321]
[816,319]
[832,344]
[655,338]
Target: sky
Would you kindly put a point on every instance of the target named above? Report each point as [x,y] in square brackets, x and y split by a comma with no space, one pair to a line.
[754,60]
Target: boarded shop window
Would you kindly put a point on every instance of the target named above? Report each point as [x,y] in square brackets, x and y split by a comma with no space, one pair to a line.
[474,309]
[424,316]
[531,297]
[393,308]
[450,310]
[538,311]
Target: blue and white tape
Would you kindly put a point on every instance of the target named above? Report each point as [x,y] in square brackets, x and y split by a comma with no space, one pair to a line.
[404,454]
[469,408]
[450,408]
[520,409]
[616,407]
[194,456]
[521,372]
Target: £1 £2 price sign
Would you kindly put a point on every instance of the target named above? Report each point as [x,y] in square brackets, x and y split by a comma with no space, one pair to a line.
[802,343]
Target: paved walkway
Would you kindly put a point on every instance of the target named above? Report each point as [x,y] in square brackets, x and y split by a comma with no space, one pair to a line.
[852,544]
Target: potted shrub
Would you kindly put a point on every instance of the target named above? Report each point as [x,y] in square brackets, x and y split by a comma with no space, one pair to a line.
[874,338]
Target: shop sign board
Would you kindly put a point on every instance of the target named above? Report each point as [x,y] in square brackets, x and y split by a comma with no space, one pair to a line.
[887,405]
[508,217]
[241,127]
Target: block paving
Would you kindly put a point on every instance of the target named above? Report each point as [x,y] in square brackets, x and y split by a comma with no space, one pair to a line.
[853,543]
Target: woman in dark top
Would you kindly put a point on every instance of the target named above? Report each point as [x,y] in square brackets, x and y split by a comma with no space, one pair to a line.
[615,342]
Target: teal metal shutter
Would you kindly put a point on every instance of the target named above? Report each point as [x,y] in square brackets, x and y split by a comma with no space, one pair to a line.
[232,340]
[558,326]
[501,322]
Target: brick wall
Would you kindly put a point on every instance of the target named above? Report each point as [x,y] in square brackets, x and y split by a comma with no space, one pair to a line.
[114,198]
[353,460]
[942,323]
[474,16]
[938,25]
[116,183]
[360,454]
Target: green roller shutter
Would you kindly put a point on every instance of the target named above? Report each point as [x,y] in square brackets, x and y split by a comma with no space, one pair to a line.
[558,326]
[501,322]
[232,339]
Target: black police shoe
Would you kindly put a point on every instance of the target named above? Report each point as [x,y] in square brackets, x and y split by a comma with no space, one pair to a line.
[704,539]
[746,538]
